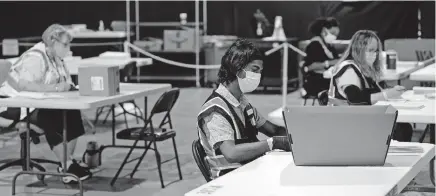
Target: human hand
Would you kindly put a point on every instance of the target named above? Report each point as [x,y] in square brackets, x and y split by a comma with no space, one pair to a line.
[395,92]
[63,87]
[281,143]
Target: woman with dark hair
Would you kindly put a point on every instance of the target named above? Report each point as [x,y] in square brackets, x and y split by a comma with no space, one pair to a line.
[227,123]
[356,78]
[320,55]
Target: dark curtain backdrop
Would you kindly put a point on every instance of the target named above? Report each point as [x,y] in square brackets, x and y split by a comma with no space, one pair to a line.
[390,19]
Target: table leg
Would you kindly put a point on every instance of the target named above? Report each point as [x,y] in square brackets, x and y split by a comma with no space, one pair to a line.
[145,107]
[432,140]
[28,140]
[63,174]
[113,124]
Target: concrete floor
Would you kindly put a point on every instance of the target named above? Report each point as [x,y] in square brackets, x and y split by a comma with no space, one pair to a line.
[146,180]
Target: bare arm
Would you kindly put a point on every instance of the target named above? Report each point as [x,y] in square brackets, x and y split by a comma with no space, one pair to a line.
[320,65]
[271,130]
[243,152]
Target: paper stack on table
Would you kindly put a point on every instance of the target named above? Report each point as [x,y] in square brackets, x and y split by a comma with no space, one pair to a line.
[423,90]
[402,104]
[37,95]
[405,149]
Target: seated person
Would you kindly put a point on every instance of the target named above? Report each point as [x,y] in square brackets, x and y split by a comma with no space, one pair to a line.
[41,69]
[320,55]
[228,124]
[355,78]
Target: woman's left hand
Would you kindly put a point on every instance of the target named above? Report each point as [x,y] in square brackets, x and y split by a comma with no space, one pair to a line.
[63,87]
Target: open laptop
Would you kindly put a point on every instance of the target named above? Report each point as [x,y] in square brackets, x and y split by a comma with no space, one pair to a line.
[341,135]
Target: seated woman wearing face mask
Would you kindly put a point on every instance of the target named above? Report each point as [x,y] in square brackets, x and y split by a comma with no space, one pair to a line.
[41,69]
[355,79]
[227,123]
[320,55]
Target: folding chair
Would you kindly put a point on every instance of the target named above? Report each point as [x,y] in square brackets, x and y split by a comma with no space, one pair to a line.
[152,135]
[305,95]
[199,155]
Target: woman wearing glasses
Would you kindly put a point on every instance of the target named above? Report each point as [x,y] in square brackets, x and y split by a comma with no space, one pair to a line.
[41,69]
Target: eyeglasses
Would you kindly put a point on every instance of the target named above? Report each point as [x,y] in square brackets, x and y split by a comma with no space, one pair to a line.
[65,44]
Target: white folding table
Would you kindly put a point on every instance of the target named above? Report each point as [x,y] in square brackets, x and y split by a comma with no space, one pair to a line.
[426,74]
[73,101]
[275,174]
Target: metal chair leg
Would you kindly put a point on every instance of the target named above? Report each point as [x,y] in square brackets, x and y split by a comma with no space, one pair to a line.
[177,158]
[158,160]
[141,158]
[421,139]
[124,163]
[125,116]
[47,161]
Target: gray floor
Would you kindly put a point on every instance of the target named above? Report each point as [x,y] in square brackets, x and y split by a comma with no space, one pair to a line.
[145,181]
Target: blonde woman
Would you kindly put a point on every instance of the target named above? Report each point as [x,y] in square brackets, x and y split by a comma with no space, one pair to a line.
[356,78]
[41,69]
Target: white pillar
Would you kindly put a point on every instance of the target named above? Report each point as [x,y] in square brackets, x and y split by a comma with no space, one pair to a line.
[197,42]
[285,75]
[128,20]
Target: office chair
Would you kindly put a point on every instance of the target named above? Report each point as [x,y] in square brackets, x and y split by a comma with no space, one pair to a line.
[20,126]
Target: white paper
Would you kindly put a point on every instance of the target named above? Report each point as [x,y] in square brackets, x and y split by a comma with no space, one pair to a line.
[402,104]
[38,95]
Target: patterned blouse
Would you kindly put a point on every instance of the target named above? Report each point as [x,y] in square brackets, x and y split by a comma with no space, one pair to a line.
[37,67]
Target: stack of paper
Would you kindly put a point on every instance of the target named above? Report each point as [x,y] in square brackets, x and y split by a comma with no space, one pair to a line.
[423,90]
[38,95]
[403,104]
[405,149]
[115,54]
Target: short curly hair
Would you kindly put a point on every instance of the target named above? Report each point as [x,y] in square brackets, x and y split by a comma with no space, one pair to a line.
[240,53]
[55,32]
[315,28]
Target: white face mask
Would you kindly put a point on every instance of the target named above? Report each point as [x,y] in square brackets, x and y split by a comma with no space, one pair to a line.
[250,82]
[329,38]
[370,57]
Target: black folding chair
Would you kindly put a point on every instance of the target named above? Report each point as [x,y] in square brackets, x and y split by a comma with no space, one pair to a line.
[152,135]
[199,155]
[323,98]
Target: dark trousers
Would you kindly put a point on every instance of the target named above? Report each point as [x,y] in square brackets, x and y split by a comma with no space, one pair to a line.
[315,83]
[403,132]
[52,123]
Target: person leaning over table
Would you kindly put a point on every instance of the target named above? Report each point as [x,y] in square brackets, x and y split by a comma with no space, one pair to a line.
[227,123]
[321,55]
[41,69]
[356,78]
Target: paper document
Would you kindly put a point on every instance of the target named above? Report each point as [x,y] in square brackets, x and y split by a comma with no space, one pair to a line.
[405,149]
[402,104]
[423,90]
[38,95]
